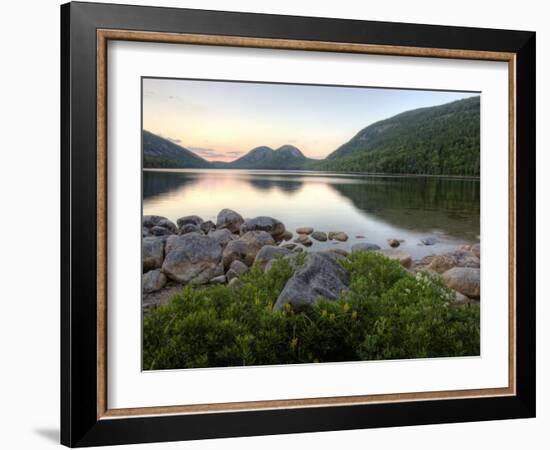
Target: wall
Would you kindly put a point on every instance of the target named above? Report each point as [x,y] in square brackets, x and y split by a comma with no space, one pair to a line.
[29,317]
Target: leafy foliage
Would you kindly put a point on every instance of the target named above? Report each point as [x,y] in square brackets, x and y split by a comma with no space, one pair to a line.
[387,313]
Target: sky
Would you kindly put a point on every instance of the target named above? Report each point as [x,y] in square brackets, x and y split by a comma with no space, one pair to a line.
[223,120]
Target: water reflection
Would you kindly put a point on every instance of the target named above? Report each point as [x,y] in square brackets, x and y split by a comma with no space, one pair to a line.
[376,207]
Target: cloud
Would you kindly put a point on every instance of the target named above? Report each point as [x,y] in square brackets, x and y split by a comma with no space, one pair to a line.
[208,152]
[175,141]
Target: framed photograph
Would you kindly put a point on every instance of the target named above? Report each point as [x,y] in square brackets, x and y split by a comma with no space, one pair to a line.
[276,224]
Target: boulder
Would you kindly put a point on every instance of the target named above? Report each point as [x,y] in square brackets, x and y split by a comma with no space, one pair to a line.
[269,252]
[189,220]
[223,236]
[160,231]
[152,252]
[465,280]
[364,247]
[304,240]
[236,269]
[394,243]
[319,236]
[264,223]
[286,236]
[227,218]
[160,221]
[193,259]
[338,236]
[190,228]
[304,230]
[442,263]
[246,247]
[429,241]
[465,259]
[152,281]
[207,227]
[145,232]
[404,259]
[320,276]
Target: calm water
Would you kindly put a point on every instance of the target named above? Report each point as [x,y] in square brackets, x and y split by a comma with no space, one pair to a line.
[379,208]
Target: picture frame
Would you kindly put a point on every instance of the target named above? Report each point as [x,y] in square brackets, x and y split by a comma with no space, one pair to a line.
[86,418]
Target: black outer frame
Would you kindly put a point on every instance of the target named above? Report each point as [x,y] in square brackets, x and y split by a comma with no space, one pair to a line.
[79,424]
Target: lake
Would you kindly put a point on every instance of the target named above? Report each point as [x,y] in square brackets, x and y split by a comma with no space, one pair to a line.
[376,207]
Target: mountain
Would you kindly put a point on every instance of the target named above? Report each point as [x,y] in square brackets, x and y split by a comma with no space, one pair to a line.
[285,157]
[438,140]
[159,152]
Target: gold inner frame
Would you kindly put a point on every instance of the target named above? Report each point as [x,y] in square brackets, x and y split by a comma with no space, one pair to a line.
[104,35]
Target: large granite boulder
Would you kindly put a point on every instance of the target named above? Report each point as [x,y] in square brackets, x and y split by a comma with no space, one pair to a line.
[152,252]
[194,259]
[321,276]
[465,280]
[246,247]
[264,223]
[223,236]
[227,218]
[269,252]
[152,281]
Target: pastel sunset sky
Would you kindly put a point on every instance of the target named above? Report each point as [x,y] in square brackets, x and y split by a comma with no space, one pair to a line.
[221,120]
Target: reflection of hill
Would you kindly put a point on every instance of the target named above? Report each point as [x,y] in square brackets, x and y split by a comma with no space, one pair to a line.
[423,204]
[156,183]
[266,184]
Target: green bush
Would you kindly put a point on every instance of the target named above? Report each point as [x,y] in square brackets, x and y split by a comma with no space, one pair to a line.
[387,313]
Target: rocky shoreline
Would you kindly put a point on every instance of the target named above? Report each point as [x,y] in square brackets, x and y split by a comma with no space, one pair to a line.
[199,252]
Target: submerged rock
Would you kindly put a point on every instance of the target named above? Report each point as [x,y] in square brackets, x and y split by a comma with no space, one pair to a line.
[304,240]
[364,247]
[394,243]
[319,236]
[338,236]
[152,281]
[465,280]
[152,252]
[338,251]
[193,258]
[429,241]
[227,218]
[321,276]
[304,230]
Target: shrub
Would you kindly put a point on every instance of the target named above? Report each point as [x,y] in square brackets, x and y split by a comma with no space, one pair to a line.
[387,313]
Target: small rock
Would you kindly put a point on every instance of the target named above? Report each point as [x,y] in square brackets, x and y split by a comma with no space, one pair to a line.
[246,248]
[442,263]
[236,269]
[235,284]
[207,227]
[319,236]
[360,236]
[338,235]
[218,280]
[189,220]
[227,218]
[304,240]
[404,259]
[465,280]
[429,241]
[152,281]
[394,243]
[304,230]
[364,246]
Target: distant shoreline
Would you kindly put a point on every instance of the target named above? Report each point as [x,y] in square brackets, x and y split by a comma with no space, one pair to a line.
[373,174]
